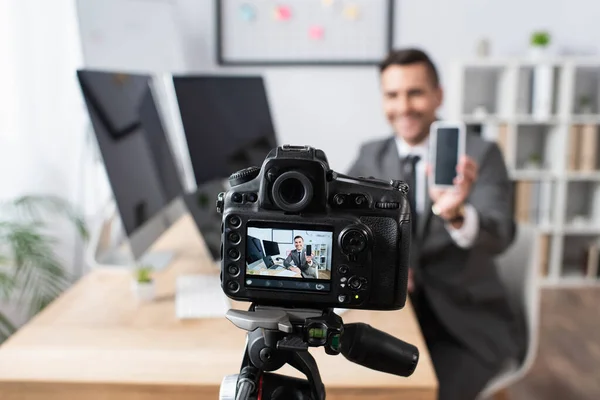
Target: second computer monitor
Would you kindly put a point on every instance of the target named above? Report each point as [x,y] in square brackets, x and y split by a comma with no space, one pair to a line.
[271,248]
[227,123]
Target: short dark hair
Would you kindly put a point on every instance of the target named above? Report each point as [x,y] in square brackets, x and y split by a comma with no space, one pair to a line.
[411,56]
[298,237]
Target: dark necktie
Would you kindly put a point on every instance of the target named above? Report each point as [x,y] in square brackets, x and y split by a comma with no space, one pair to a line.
[410,177]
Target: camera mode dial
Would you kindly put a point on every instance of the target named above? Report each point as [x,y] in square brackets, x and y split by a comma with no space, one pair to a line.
[243,176]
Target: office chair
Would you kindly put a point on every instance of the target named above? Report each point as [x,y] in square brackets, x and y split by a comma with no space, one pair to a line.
[518,269]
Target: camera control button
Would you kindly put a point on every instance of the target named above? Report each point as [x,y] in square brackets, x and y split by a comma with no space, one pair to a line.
[354,283]
[342,285]
[235,221]
[387,205]
[233,254]
[233,269]
[343,279]
[237,197]
[233,286]
[243,176]
[343,269]
[342,298]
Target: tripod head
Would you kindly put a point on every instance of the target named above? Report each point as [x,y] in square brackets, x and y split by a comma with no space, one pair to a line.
[277,336]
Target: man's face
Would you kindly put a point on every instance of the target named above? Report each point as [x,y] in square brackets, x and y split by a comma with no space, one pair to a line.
[298,244]
[410,100]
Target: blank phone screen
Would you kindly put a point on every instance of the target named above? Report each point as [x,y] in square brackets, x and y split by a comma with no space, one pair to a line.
[446,155]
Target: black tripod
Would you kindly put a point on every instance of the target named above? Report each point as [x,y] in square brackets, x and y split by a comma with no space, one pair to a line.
[279,336]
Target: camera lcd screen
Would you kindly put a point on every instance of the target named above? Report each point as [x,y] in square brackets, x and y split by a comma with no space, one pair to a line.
[277,258]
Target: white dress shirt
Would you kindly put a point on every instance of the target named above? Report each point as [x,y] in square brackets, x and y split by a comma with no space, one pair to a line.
[465,235]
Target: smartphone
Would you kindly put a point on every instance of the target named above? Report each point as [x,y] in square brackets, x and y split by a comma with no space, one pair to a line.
[447,142]
[309,250]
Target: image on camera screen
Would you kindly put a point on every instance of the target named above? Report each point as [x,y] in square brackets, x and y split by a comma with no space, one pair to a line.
[280,258]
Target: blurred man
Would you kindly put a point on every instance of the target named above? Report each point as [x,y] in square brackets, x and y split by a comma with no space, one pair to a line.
[299,262]
[459,300]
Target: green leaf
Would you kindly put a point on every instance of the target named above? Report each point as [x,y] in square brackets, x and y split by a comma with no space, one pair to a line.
[6,328]
[32,207]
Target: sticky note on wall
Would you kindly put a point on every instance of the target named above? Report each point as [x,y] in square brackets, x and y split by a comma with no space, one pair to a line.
[247,12]
[282,13]
[351,12]
[316,32]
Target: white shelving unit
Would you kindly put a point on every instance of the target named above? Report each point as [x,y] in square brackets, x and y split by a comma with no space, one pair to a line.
[545,116]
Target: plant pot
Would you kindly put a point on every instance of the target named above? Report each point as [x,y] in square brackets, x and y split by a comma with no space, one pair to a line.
[144,291]
[538,52]
[533,165]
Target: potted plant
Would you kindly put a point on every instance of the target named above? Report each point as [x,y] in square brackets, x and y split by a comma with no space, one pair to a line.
[585,105]
[143,284]
[534,161]
[539,43]
[31,273]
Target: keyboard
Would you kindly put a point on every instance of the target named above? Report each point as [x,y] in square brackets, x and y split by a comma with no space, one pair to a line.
[200,296]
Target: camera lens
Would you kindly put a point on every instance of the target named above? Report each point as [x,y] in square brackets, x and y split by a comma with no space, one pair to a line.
[353,241]
[292,191]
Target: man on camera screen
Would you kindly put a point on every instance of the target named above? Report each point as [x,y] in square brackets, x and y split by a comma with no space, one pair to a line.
[298,261]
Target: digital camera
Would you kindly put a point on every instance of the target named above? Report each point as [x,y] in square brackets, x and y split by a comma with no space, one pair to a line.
[297,234]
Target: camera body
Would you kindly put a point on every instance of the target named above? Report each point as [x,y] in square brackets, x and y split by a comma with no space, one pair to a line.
[358,230]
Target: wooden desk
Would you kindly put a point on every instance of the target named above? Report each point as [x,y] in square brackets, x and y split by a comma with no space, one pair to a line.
[97,342]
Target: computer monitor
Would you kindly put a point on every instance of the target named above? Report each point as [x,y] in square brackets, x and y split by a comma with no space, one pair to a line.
[254,250]
[140,166]
[227,125]
[271,248]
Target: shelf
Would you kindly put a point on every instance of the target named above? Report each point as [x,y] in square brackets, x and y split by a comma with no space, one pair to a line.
[534,202]
[581,229]
[586,93]
[584,119]
[583,205]
[582,175]
[531,174]
[551,145]
[581,257]
[538,91]
[483,90]
[540,141]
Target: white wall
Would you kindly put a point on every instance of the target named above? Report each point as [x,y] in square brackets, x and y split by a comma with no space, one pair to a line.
[337,108]
[42,120]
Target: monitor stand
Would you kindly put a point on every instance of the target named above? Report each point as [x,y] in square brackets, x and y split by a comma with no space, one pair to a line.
[268,262]
[157,260]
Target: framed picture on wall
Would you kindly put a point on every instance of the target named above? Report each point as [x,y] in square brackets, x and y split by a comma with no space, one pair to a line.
[303,32]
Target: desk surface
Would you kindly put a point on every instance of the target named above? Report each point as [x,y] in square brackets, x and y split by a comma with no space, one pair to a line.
[97,341]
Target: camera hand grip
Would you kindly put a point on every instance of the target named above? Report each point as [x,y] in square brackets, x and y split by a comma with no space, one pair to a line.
[374,349]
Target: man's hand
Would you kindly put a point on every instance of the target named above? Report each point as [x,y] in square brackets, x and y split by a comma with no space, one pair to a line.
[447,201]
[309,259]
[295,269]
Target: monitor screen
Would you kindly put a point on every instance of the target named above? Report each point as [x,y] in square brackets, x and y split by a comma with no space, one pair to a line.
[286,264]
[227,123]
[271,248]
[132,142]
[255,251]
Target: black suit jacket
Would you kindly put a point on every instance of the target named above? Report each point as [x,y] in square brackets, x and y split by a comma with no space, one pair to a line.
[462,285]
